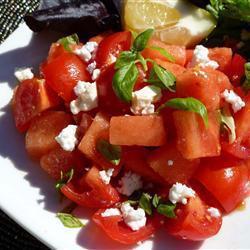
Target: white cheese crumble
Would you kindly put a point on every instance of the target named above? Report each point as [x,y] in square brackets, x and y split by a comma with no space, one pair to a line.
[179,193]
[23,74]
[87,97]
[229,172]
[170,163]
[96,74]
[111,212]
[214,212]
[86,51]
[106,175]
[231,97]
[142,100]
[67,138]
[200,58]
[91,67]
[134,218]
[129,183]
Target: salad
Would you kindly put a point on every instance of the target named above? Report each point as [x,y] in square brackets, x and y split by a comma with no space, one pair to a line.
[146,134]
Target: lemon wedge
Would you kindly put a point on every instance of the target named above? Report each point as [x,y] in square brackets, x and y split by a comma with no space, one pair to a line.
[175,21]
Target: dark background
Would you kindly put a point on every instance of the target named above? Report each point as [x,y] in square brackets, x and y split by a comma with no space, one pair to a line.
[12,236]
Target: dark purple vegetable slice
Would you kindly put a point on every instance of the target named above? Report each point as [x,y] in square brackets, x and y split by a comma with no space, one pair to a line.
[84,17]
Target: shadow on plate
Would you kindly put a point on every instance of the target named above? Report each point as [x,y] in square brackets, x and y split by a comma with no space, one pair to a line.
[12,147]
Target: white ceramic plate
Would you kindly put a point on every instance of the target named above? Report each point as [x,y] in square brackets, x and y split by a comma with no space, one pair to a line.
[29,197]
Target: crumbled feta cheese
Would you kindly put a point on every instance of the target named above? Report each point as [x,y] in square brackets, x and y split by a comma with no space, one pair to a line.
[214,212]
[91,67]
[23,74]
[111,212]
[113,59]
[83,53]
[200,58]
[67,138]
[96,74]
[129,183]
[106,175]
[233,99]
[245,35]
[229,172]
[91,46]
[87,97]
[134,218]
[142,100]
[180,192]
[170,163]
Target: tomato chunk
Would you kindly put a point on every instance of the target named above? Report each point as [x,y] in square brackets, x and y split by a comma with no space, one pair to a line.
[127,130]
[111,46]
[226,179]
[63,73]
[178,52]
[116,229]
[40,137]
[194,140]
[135,161]
[97,194]
[31,97]
[193,221]
[169,163]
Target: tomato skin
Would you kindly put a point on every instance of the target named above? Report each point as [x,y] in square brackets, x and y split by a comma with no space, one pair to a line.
[111,46]
[226,179]
[63,73]
[100,195]
[30,98]
[236,70]
[115,228]
[180,171]
[193,221]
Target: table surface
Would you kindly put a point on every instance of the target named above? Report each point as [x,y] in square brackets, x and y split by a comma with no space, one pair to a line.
[12,236]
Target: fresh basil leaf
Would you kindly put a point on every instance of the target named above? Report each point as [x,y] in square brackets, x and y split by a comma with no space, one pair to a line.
[246,84]
[228,122]
[69,40]
[164,53]
[162,78]
[167,210]
[124,81]
[142,61]
[141,40]
[156,200]
[68,220]
[189,104]
[145,203]
[65,178]
[126,57]
[110,152]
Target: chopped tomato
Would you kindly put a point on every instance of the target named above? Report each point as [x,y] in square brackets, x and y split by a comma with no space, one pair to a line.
[96,195]
[31,97]
[236,70]
[169,163]
[116,229]
[178,52]
[223,56]
[174,68]
[200,84]
[107,99]
[194,140]
[111,46]
[193,221]
[63,73]
[85,123]
[135,161]
[226,179]
[40,137]
[127,130]
[189,56]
